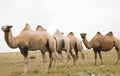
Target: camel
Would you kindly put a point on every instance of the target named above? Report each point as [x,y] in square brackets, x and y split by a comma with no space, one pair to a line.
[75,44]
[29,40]
[102,43]
[62,43]
[43,31]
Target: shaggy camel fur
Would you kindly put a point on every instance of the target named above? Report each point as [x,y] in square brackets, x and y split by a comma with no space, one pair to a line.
[30,40]
[75,44]
[102,43]
[62,43]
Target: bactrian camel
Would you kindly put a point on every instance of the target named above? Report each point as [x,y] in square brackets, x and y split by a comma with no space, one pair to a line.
[29,40]
[62,43]
[45,34]
[102,43]
[75,44]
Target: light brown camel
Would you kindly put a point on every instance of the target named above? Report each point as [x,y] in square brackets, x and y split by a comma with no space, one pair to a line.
[75,44]
[43,31]
[29,41]
[102,43]
[62,43]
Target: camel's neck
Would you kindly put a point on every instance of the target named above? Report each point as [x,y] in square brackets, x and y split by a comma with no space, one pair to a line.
[87,44]
[10,40]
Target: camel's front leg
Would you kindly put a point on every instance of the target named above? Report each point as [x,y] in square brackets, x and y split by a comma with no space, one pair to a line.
[26,64]
[44,60]
[99,52]
[95,52]
[26,60]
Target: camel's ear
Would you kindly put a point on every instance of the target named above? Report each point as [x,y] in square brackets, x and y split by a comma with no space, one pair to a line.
[83,34]
[62,33]
[10,26]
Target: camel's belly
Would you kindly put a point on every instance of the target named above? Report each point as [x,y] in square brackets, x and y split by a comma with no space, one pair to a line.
[107,48]
[35,47]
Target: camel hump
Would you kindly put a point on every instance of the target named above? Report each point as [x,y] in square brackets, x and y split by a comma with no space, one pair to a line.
[39,27]
[27,27]
[58,32]
[98,33]
[71,33]
[109,33]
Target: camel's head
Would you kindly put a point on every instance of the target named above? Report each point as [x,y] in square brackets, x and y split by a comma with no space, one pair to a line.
[6,28]
[83,35]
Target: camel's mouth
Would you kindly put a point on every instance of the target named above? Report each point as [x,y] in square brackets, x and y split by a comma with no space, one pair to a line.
[6,28]
[3,28]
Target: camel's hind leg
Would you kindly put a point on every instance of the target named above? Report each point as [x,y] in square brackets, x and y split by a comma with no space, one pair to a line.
[51,59]
[73,56]
[26,64]
[83,56]
[76,53]
[52,56]
[60,57]
[44,60]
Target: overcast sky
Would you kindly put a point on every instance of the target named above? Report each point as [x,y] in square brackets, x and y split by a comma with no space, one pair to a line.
[78,16]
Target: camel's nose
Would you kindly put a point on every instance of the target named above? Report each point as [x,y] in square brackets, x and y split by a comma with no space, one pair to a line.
[3,28]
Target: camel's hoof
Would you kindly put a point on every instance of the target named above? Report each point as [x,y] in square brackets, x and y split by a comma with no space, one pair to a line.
[95,65]
[116,63]
[82,63]
[102,66]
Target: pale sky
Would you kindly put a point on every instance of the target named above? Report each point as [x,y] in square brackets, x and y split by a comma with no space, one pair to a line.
[79,16]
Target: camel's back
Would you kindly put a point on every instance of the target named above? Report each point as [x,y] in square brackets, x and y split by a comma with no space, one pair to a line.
[103,42]
[31,39]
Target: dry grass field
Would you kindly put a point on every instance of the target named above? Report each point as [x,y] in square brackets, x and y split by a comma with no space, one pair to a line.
[12,64]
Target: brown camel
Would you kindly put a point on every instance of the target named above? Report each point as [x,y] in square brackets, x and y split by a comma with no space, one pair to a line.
[75,44]
[29,40]
[102,43]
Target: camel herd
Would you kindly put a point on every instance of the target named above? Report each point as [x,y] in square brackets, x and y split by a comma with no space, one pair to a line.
[40,39]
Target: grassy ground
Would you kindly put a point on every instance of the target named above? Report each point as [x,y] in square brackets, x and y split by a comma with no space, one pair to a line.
[12,64]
